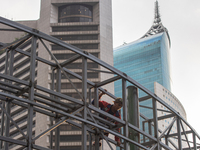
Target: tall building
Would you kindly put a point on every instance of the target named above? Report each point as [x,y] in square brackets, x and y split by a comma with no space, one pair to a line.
[86,24]
[147,61]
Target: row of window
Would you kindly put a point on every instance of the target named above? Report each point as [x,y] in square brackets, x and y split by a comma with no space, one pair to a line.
[81,46]
[74,28]
[16,59]
[26,70]
[89,75]
[69,138]
[69,148]
[76,37]
[79,66]
[67,56]
[75,19]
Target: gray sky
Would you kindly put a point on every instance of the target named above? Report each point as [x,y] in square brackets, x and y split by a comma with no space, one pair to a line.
[131,20]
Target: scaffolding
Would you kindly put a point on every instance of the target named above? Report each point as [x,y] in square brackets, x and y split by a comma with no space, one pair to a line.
[35,98]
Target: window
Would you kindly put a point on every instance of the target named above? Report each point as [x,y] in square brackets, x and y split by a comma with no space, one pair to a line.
[81,46]
[75,13]
[77,37]
[67,56]
[74,28]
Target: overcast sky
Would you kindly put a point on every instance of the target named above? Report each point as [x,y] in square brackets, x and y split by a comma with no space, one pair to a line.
[131,20]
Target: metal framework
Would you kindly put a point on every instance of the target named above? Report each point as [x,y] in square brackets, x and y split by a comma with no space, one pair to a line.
[35,98]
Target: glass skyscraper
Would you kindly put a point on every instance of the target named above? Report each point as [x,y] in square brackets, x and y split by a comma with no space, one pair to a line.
[146,60]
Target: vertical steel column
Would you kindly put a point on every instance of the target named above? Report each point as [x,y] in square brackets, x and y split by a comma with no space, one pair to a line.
[51,119]
[2,124]
[121,131]
[166,140]
[143,128]
[84,93]
[57,130]
[31,91]
[125,113]
[150,127]
[179,133]
[8,103]
[133,114]
[90,95]
[2,112]
[155,120]
[96,104]
[194,141]
[90,141]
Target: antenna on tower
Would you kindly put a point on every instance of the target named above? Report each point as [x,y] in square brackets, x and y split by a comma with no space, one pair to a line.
[157,26]
[157,18]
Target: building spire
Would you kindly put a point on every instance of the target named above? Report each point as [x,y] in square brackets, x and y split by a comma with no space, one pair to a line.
[157,18]
[157,26]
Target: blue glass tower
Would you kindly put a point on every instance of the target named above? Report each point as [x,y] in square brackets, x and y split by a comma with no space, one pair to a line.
[146,60]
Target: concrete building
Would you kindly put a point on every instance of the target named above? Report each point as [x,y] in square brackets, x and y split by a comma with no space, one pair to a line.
[86,24]
[173,101]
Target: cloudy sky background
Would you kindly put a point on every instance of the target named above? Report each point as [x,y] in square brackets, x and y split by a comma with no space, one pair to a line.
[131,20]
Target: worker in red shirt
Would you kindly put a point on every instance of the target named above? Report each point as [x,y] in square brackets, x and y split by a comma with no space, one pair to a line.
[112,109]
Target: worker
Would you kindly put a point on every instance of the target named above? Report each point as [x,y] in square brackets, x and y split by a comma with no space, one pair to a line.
[112,109]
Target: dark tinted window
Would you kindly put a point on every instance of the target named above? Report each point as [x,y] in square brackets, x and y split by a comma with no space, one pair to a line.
[81,46]
[77,37]
[67,56]
[74,28]
[75,13]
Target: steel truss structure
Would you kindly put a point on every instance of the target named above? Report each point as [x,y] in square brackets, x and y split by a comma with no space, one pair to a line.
[35,98]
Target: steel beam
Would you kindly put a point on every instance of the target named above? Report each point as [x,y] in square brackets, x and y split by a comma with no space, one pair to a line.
[10,118]
[194,141]
[10,140]
[37,58]
[152,108]
[96,104]
[70,60]
[167,129]
[2,113]
[185,134]
[84,112]
[154,103]
[179,133]
[31,91]
[133,114]
[61,68]
[57,130]
[16,43]
[63,119]
[51,118]
[8,104]
[108,81]
[125,113]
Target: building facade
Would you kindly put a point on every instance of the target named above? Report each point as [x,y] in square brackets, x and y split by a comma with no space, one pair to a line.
[172,101]
[86,24]
[146,61]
